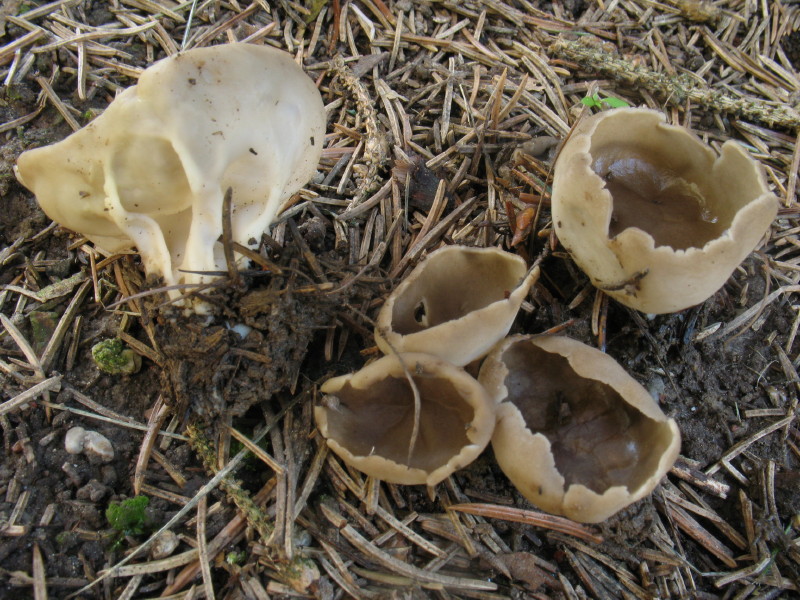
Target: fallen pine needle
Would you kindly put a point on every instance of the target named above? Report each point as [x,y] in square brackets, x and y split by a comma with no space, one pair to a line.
[529,517]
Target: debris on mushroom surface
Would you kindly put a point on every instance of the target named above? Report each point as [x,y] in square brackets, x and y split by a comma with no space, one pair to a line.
[370,420]
[152,170]
[576,434]
[456,304]
[651,214]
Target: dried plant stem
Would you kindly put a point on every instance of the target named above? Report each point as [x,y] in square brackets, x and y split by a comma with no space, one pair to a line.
[417,412]
[227,236]
[206,450]
[375,145]
[412,442]
[674,89]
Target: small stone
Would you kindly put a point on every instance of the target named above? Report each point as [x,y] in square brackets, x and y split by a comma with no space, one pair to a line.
[302,537]
[96,444]
[74,440]
[72,474]
[657,387]
[302,574]
[94,491]
[61,418]
[108,475]
[91,517]
[241,330]
[48,439]
[164,545]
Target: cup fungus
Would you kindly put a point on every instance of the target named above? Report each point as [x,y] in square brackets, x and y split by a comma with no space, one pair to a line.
[151,171]
[373,421]
[653,216]
[456,304]
[576,434]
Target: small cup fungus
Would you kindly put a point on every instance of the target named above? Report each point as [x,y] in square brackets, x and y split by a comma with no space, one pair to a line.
[151,171]
[456,304]
[373,421]
[653,216]
[576,434]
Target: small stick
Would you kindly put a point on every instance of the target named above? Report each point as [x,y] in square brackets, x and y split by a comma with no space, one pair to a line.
[39,583]
[741,446]
[227,237]
[54,383]
[157,416]
[202,547]
[256,450]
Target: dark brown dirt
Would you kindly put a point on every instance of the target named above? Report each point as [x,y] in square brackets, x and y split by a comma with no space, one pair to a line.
[213,371]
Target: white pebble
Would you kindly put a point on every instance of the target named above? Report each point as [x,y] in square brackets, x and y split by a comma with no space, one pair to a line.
[75,440]
[164,545]
[98,445]
[241,329]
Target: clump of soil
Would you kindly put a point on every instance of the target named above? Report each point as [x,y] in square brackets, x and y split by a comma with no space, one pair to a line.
[215,369]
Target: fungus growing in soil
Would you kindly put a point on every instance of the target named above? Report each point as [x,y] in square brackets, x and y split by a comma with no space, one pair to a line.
[152,170]
[456,304]
[576,434]
[651,214]
[376,423]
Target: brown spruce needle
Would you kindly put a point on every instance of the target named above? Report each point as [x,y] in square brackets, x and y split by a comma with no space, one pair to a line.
[529,517]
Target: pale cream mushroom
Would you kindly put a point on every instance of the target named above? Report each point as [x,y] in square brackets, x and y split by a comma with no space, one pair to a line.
[576,434]
[457,303]
[152,170]
[651,214]
[369,418]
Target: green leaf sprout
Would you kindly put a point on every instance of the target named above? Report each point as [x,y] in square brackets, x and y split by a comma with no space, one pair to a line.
[595,101]
[128,517]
